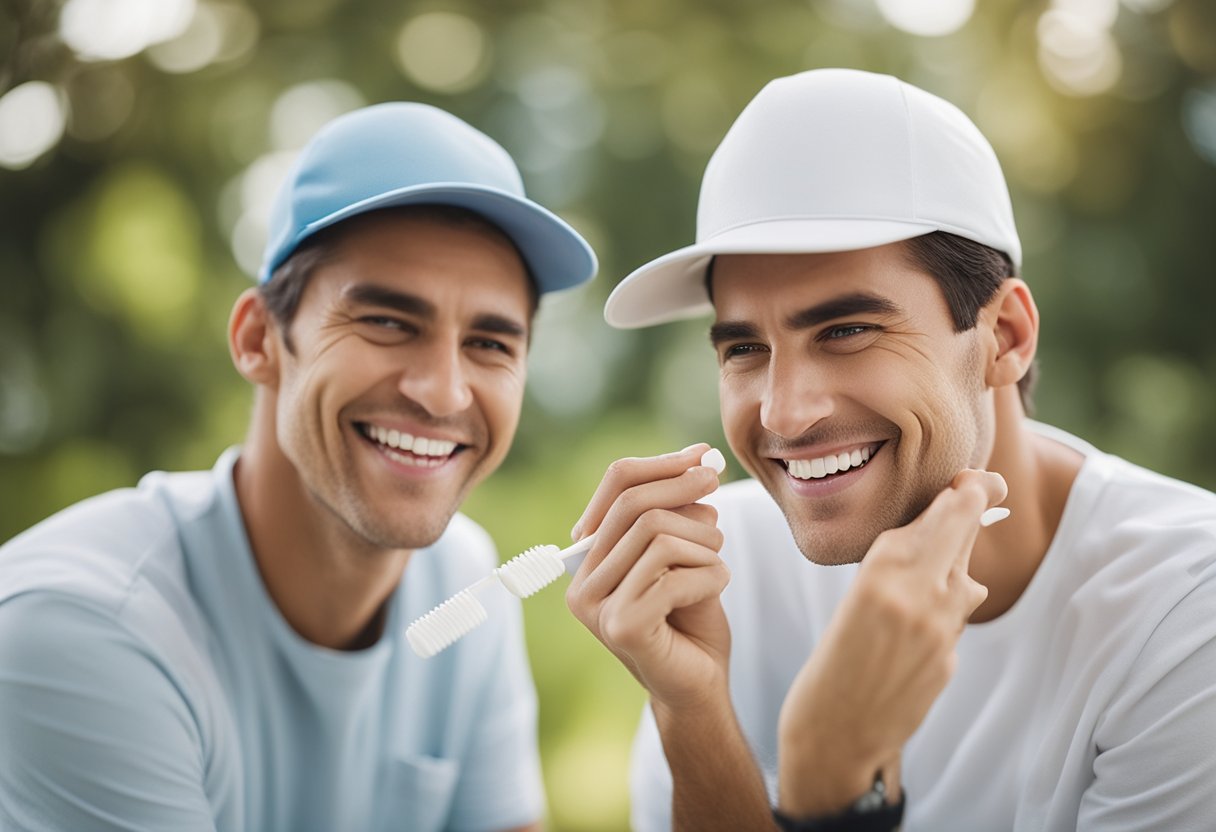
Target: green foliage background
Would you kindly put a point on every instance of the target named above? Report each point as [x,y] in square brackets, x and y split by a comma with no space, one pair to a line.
[117,264]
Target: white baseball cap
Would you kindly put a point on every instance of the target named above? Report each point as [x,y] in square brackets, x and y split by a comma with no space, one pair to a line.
[828,160]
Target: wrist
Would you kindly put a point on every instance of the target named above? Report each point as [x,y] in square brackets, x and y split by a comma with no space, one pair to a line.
[873,811]
[816,778]
[709,704]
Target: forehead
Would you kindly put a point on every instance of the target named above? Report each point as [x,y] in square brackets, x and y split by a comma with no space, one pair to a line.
[451,262]
[755,286]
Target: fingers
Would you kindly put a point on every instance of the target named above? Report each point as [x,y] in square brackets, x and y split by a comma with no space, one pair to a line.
[952,520]
[631,504]
[663,557]
[601,578]
[648,596]
[628,473]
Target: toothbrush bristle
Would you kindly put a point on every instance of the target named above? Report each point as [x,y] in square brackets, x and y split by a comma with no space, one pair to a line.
[447,623]
[531,570]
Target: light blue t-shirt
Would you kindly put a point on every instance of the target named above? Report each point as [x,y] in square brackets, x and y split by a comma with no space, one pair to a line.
[148,682]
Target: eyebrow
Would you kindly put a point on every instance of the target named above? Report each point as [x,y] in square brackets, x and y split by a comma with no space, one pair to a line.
[856,303]
[369,294]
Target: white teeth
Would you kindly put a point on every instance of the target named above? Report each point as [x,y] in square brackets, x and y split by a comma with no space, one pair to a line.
[814,469]
[419,446]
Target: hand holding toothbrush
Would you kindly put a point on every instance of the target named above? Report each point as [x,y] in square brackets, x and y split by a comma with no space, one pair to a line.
[649,587]
[523,575]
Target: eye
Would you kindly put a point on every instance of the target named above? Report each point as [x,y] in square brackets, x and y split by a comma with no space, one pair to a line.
[490,344]
[385,322]
[741,350]
[847,331]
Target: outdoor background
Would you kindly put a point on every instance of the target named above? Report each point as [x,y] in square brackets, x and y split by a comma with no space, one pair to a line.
[141,140]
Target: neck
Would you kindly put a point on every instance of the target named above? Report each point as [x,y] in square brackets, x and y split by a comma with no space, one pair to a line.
[328,583]
[1040,473]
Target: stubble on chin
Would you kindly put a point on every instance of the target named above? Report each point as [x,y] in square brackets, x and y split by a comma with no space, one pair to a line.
[844,541]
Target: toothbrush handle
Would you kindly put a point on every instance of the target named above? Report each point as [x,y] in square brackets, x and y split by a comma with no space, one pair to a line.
[580,548]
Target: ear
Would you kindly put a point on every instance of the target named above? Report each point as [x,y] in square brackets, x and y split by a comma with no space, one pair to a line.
[1014,320]
[253,340]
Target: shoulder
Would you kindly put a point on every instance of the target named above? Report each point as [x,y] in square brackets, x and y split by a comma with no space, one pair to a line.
[1160,528]
[117,558]
[94,549]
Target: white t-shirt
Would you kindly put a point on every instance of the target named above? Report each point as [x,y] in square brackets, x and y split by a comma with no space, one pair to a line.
[148,682]
[1090,704]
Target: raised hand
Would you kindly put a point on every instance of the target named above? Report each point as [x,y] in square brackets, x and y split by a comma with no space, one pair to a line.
[887,653]
[649,588]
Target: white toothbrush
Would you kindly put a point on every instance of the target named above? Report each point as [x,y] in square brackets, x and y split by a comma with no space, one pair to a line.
[523,575]
[993,515]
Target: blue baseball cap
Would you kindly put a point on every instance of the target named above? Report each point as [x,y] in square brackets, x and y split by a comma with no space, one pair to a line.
[404,153]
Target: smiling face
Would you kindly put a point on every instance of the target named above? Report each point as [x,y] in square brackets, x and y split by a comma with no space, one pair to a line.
[846,391]
[405,377]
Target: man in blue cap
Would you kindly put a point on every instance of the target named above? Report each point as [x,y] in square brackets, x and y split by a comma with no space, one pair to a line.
[225,650]
[875,344]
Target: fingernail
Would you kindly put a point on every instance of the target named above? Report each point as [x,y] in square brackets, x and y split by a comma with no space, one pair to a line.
[689,448]
[993,515]
[574,533]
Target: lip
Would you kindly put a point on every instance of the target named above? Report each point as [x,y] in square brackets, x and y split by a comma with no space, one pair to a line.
[832,484]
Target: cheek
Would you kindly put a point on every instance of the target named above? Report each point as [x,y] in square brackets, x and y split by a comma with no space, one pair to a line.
[501,397]
[739,407]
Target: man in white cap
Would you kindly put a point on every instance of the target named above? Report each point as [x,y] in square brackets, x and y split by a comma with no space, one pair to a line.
[1056,671]
[225,650]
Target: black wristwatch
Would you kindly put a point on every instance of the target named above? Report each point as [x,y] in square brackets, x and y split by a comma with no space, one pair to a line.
[869,813]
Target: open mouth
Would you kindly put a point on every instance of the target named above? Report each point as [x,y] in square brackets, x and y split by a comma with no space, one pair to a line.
[833,464]
[410,450]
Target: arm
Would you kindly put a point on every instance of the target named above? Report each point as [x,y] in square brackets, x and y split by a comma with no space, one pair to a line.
[886,655]
[96,736]
[649,590]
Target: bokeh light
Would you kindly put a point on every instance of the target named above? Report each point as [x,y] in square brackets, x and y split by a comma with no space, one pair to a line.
[1078,54]
[1199,119]
[442,51]
[301,110]
[108,30]
[218,31]
[928,18]
[32,119]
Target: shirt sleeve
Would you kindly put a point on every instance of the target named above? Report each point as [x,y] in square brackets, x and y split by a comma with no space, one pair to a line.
[500,783]
[649,779]
[1155,766]
[95,734]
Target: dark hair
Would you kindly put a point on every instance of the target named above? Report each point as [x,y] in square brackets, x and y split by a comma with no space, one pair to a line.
[969,274]
[282,292]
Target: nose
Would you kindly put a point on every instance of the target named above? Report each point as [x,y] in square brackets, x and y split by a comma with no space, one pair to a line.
[437,380]
[795,397]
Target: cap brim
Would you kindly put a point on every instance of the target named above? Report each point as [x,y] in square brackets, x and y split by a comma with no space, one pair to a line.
[557,256]
[672,287]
